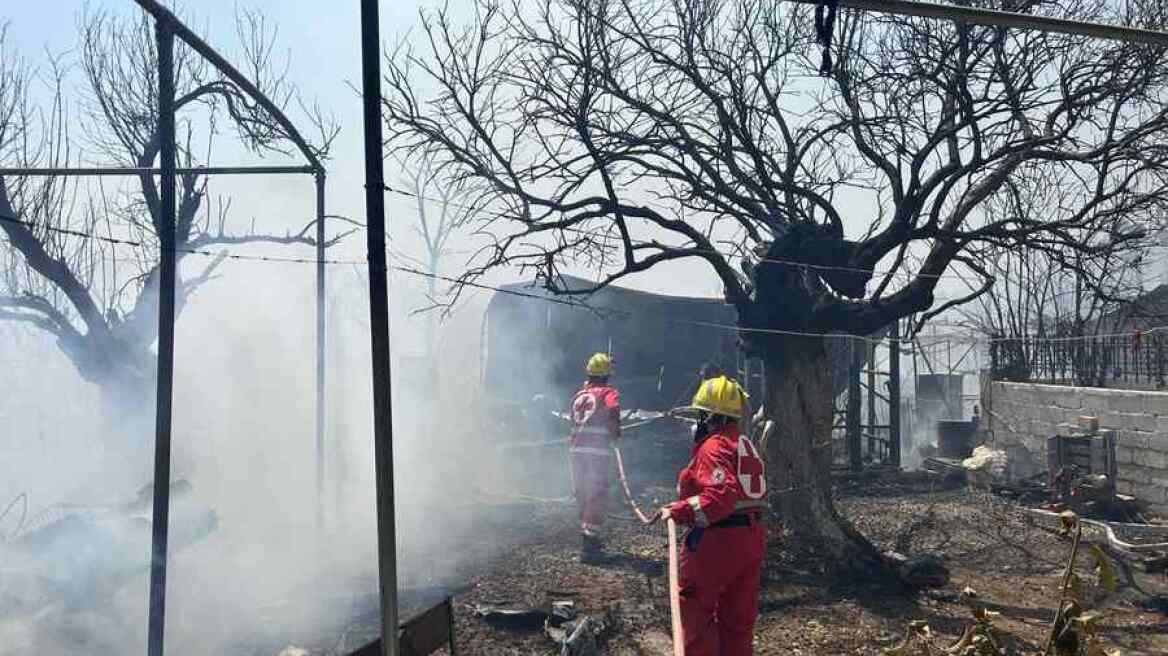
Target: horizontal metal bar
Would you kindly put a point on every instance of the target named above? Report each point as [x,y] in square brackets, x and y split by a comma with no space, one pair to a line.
[1006,19]
[131,170]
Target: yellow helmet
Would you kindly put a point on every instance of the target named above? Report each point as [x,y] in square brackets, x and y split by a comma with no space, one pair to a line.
[720,396]
[600,364]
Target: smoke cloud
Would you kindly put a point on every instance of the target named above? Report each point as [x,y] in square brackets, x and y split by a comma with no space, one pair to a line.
[258,560]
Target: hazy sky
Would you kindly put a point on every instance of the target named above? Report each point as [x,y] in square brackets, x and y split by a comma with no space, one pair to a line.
[324,47]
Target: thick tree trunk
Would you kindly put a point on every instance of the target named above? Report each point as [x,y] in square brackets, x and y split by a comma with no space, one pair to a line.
[798,399]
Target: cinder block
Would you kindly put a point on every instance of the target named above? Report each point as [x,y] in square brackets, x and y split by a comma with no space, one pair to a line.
[1156,403]
[1151,460]
[1162,424]
[1125,455]
[1158,442]
[1152,493]
[1136,474]
[1034,443]
[1070,399]
[1143,422]
[1124,487]
[1135,440]
[1112,420]
[1127,401]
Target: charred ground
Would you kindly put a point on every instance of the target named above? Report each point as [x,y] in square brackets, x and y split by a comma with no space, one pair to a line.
[987,545]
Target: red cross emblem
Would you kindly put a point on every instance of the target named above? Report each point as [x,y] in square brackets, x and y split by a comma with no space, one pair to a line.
[583,408]
[751,474]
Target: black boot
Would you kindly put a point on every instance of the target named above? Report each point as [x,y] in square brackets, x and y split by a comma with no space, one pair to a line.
[590,549]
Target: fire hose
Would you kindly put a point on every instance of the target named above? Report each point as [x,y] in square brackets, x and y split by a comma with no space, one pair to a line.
[620,470]
[674,591]
[671,531]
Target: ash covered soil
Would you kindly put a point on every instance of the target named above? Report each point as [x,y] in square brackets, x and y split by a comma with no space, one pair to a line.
[988,545]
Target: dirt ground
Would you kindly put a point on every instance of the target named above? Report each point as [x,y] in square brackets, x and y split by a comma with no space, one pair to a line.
[987,544]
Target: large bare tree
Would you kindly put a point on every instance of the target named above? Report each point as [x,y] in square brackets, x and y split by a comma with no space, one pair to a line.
[99,299]
[638,132]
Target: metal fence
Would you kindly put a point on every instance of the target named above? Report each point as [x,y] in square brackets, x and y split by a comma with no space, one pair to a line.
[1133,361]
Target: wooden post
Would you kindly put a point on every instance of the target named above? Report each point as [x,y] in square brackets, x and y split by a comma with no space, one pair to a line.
[166,281]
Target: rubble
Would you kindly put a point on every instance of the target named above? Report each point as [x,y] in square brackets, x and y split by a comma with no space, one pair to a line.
[986,466]
[922,571]
[583,636]
[513,619]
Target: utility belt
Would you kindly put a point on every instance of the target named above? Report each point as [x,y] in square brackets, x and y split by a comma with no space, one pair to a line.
[738,519]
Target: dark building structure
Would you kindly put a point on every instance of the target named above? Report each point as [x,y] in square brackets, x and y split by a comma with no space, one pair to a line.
[535,347]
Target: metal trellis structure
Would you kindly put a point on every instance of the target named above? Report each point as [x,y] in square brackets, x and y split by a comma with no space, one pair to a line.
[167,28]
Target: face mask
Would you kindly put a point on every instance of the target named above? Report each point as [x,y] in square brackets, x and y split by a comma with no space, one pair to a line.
[700,429]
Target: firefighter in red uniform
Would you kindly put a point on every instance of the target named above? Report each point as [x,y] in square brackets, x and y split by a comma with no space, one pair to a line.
[595,411]
[721,498]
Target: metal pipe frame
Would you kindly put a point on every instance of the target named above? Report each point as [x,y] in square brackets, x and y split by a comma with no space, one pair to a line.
[379,325]
[320,350]
[167,28]
[162,14]
[166,291]
[132,171]
[894,393]
[997,18]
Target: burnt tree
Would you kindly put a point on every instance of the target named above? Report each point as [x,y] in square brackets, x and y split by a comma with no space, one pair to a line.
[623,135]
[99,300]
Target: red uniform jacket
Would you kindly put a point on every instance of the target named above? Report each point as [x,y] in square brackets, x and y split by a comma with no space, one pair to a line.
[595,413]
[724,474]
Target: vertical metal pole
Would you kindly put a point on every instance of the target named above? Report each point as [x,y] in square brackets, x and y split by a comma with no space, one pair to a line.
[894,393]
[450,623]
[852,416]
[166,280]
[320,337]
[379,324]
[872,399]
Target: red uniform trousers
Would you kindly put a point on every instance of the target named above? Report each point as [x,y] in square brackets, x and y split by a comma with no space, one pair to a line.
[719,581]
[591,471]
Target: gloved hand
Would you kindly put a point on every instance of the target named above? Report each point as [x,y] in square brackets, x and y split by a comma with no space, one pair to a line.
[660,515]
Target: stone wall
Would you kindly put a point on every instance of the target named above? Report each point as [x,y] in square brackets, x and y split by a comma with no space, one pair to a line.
[1023,415]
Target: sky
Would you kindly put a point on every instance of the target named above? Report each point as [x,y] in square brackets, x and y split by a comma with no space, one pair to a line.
[323,50]
[324,53]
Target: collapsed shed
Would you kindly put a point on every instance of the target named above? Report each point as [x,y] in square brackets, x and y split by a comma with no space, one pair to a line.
[533,345]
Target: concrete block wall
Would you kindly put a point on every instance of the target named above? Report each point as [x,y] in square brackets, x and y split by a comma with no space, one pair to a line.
[1023,415]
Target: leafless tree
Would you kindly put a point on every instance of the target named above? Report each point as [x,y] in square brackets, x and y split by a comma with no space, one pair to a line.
[98,299]
[637,132]
[1040,299]
[436,225]
[440,217]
